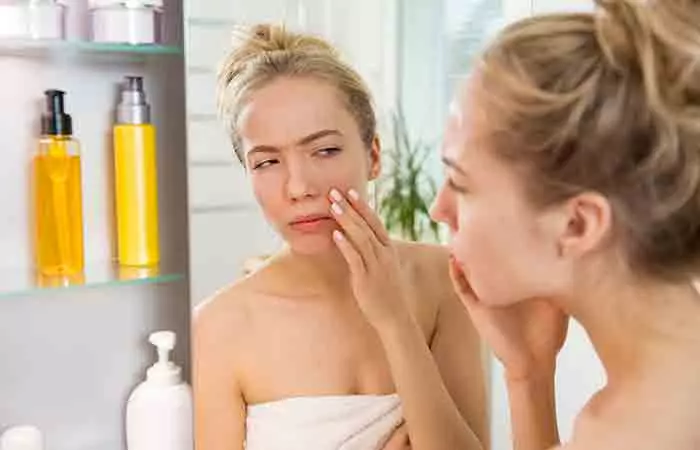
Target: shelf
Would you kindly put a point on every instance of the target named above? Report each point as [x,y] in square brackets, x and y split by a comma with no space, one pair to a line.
[44,48]
[14,283]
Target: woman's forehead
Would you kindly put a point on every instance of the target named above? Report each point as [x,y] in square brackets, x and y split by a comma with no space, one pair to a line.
[286,112]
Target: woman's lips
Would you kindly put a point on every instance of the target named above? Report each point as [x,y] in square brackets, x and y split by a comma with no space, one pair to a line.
[312,224]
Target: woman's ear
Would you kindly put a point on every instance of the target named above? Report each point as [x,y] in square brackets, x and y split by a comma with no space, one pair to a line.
[588,224]
[375,159]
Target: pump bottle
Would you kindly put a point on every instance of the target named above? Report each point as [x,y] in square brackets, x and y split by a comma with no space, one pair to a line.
[58,204]
[136,192]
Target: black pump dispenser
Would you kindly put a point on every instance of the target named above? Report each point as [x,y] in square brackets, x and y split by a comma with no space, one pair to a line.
[55,121]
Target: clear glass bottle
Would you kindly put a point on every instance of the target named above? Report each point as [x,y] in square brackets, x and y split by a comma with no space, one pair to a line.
[58,194]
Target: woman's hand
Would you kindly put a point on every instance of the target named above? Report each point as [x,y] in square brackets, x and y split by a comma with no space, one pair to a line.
[375,272]
[525,337]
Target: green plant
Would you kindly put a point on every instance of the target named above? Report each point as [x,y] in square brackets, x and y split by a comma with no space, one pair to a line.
[406,191]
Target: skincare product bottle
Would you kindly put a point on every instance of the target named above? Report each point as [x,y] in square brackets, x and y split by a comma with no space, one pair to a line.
[135,177]
[159,412]
[58,193]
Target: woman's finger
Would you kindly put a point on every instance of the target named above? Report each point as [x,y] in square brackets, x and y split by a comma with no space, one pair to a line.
[356,229]
[352,257]
[370,216]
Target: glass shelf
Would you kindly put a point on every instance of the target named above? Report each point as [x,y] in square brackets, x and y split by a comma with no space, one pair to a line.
[41,48]
[15,283]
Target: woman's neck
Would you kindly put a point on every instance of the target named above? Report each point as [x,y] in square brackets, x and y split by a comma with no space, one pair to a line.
[320,274]
[637,327]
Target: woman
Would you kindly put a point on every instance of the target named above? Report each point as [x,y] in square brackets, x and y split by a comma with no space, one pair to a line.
[573,163]
[292,357]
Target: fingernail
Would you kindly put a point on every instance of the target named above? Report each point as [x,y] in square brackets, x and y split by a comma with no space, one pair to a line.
[336,195]
[338,236]
[353,194]
[336,209]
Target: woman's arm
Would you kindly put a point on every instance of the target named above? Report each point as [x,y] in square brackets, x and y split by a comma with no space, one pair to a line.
[433,420]
[219,408]
[459,354]
[532,411]
[526,338]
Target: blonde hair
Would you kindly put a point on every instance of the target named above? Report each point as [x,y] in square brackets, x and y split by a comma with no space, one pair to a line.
[607,102]
[267,52]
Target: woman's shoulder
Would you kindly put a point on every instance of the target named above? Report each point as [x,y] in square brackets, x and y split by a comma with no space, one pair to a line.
[426,269]
[428,262]
[232,306]
[421,253]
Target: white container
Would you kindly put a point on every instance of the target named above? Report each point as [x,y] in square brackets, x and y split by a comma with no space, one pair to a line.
[23,437]
[47,19]
[32,19]
[126,21]
[14,20]
[159,411]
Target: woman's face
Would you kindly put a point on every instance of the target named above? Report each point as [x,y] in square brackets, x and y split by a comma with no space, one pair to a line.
[299,141]
[506,248]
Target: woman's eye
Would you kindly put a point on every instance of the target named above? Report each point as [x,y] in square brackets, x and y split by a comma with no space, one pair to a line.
[264,164]
[330,151]
[455,187]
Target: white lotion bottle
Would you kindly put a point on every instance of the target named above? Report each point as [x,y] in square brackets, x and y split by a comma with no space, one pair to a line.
[159,411]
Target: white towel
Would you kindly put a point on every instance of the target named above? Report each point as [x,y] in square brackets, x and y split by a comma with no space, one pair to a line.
[354,422]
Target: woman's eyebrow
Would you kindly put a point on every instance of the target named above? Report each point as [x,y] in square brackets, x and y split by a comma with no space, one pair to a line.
[318,135]
[303,141]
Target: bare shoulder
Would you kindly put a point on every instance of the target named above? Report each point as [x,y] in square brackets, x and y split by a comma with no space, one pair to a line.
[426,269]
[428,266]
[425,258]
[226,315]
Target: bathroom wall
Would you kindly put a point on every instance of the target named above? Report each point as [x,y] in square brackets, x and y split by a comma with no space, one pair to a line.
[69,358]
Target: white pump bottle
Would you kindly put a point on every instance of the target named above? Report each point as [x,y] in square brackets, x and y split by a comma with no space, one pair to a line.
[159,411]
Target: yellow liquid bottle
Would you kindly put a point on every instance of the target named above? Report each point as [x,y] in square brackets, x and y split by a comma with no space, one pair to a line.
[57,183]
[135,176]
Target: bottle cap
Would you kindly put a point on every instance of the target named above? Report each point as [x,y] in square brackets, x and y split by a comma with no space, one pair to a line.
[55,121]
[133,108]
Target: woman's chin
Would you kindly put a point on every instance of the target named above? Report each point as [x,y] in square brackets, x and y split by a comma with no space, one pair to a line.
[310,245]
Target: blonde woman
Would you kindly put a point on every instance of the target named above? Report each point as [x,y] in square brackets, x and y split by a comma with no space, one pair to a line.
[299,355]
[573,165]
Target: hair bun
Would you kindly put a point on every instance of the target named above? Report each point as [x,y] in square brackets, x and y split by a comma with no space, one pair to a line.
[660,41]
[266,38]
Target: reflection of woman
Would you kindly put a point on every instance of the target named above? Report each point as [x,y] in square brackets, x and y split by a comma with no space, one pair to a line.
[285,359]
[573,163]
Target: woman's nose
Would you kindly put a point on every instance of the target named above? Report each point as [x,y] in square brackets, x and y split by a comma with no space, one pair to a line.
[442,209]
[300,183]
